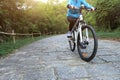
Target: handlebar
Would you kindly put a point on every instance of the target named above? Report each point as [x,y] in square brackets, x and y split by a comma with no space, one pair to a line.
[82,7]
[85,9]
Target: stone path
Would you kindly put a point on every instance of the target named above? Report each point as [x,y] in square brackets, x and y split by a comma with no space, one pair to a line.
[51,59]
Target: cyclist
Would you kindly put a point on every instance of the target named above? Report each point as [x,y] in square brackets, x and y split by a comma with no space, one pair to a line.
[73,13]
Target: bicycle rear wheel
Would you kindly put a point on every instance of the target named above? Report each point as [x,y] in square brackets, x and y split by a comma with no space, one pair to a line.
[88,47]
[72,42]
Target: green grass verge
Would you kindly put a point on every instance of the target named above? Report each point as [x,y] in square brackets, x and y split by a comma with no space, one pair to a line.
[109,35]
[8,47]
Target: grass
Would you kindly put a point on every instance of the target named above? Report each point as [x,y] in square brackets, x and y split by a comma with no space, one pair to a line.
[8,47]
[109,35]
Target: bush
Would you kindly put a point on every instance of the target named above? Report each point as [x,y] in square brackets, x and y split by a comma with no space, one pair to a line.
[108,14]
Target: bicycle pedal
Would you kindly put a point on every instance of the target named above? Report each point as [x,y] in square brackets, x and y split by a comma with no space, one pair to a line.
[82,46]
[86,42]
[69,36]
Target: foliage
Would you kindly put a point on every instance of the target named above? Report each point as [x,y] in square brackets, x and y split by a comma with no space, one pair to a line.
[108,14]
[27,16]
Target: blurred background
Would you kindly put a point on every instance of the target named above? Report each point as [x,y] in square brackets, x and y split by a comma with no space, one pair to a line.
[25,21]
[32,16]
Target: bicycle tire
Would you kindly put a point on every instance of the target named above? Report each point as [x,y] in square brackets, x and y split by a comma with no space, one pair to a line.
[72,42]
[95,47]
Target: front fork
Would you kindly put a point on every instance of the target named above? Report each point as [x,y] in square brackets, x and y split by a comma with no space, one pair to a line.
[81,34]
[87,36]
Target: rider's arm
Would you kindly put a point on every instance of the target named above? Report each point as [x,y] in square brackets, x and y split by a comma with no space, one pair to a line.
[87,5]
[70,6]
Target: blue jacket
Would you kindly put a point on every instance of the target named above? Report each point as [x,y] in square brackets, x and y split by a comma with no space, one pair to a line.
[77,3]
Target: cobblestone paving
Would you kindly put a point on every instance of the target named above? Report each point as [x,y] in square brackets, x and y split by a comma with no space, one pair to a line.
[51,59]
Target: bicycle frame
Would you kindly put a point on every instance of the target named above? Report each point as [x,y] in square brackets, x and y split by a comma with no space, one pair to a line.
[87,47]
[78,30]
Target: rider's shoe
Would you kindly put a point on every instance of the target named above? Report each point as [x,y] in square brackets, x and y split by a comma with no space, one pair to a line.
[69,34]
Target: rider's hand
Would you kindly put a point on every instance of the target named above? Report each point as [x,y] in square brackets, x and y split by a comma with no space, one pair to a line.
[69,6]
[73,7]
[92,9]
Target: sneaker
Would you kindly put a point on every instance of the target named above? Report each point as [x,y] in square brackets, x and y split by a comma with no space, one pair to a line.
[69,34]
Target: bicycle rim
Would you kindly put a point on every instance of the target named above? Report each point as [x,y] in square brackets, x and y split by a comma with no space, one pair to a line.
[88,48]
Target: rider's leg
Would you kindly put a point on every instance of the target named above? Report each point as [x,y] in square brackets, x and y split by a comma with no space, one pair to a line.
[71,24]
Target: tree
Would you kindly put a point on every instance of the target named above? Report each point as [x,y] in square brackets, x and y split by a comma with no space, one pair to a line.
[108,15]
[26,16]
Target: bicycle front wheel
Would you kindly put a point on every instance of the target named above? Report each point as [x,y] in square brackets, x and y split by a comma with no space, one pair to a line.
[88,47]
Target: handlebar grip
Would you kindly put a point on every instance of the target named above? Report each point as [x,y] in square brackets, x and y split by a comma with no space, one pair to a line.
[92,9]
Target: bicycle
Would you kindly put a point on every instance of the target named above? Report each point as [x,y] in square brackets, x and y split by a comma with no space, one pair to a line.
[84,37]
